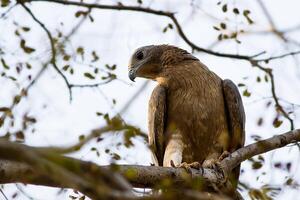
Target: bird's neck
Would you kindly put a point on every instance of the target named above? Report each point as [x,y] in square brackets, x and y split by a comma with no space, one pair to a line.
[182,78]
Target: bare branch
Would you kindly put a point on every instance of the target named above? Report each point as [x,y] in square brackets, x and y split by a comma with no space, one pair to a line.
[170,15]
[52,44]
[260,147]
[278,57]
[133,97]
[271,21]
[3,15]
[93,134]
[273,91]
[91,85]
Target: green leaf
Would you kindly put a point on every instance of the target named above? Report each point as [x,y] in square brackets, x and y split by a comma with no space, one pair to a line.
[116,156]
[82,198]
[256,165]
[113,67]
[5,3]
[224,8]
[81,137]
[96,150]
[71,71]
[89,75]
[220,37]
[28,66]
[66,57]
[20,135]
[216,28]
[95,56]
[25,28]
[4,64]
[246,15]
[66,67]
[165,29]
[266,78]
[80,50]
[233,35]
[277,122]
[260,121]
[246,93]
[236,11]
[17,99]
[26,49]
[223,25]
[99,113]
[79,13]
[4,109]
[258,79]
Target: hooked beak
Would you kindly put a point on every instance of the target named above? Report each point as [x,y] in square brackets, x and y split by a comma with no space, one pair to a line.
[132,74]
[134,70]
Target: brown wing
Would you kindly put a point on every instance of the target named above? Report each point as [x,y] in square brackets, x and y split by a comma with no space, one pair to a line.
[236,121]
[156,123]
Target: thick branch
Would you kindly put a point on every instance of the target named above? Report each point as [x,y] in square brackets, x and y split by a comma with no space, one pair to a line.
[260,147]
[138,176]
[98,184]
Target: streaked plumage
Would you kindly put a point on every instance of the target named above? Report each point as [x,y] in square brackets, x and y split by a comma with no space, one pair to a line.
[193,114]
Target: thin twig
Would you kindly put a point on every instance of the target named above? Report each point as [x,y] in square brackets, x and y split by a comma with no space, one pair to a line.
[92,135]
[3,15]
[3,194]
[133,97]
[52,44]
[268,71]
[170,15]
[278,57]
[91,85]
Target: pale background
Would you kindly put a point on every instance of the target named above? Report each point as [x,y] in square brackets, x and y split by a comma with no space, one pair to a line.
[115,35]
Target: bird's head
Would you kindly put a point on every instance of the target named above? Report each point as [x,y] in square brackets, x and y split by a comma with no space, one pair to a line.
[145,62]
[151,61]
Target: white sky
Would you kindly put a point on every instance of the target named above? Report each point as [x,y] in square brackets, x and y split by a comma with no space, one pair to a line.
[114,36]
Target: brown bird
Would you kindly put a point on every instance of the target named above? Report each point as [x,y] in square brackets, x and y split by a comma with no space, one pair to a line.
[194,115]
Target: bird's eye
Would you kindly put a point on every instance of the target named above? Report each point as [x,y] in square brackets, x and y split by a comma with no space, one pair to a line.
[140,55]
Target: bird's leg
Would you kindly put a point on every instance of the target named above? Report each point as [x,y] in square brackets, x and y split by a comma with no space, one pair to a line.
[225,154]
[188,166]
[215,164]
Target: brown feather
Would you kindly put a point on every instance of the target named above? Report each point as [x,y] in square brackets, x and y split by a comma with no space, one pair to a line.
[156,122]
[236,122]
[193,114]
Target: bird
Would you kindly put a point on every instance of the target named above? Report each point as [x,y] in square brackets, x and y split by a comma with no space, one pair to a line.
[194,117]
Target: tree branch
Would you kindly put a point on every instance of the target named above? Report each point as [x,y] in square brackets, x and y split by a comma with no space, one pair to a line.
[94,134]
[21,168]
[170,15]
[260,147]
[67,171]
[53,50]
[278,106]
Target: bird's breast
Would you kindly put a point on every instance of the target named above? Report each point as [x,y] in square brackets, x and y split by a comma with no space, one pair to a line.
[198,114]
